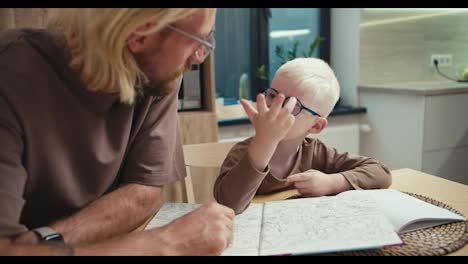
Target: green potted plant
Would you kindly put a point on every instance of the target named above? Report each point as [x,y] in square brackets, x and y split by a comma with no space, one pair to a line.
[291,54]
[243,92]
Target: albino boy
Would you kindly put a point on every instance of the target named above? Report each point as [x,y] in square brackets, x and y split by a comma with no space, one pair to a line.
[280,156]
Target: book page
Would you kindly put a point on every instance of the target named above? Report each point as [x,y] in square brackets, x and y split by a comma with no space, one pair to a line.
[170,212]
[246,229]
[246,232]
[324,224]
[407,213]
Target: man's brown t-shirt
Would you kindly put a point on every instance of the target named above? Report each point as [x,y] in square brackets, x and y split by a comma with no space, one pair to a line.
[62,146]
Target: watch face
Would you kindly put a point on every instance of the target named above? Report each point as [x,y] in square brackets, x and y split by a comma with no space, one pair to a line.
[54,237]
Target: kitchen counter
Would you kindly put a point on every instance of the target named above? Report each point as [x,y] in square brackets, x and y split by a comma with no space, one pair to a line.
[418,125]
[417,88]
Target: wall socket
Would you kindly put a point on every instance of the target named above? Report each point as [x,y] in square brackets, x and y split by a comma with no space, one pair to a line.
[443,59]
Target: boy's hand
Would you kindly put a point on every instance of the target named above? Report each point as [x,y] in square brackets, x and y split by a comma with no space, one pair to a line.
[271,124]
[314,183]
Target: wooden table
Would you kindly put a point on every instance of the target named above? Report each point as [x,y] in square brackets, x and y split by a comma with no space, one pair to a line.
[408,180]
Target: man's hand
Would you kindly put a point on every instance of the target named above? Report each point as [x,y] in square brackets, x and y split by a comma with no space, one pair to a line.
[205,231]
[271,126]
[314,183]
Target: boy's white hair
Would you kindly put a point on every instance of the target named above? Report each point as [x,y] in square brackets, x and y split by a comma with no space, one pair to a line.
[317,78]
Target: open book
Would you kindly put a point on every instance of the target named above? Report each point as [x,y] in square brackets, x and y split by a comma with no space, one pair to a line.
[352,220]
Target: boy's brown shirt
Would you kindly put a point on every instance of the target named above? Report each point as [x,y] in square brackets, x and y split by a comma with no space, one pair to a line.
[239,181]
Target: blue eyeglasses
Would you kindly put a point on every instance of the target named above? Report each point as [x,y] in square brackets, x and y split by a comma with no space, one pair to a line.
[270,95]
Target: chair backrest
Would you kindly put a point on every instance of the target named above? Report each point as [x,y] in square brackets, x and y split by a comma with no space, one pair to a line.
[205,155]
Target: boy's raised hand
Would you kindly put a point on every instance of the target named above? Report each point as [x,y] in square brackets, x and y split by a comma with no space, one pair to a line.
[271,124]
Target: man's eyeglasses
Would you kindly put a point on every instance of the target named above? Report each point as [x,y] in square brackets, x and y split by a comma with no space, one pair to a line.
[207,44]
[270,95]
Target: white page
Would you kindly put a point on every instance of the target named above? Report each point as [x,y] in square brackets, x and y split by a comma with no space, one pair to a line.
[170,212]
[246,232]
[403,210]
[324,224]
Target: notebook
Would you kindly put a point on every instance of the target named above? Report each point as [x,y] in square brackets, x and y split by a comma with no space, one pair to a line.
[352,220]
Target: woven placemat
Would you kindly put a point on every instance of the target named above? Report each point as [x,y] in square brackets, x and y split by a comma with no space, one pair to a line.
[433,241]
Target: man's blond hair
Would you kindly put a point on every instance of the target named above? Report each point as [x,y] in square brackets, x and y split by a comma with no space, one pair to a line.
[97,39]
[316,76]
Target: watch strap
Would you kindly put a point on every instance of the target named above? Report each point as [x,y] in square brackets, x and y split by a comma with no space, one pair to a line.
[47,233]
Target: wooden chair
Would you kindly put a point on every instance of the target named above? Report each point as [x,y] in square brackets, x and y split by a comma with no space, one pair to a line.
[205,155]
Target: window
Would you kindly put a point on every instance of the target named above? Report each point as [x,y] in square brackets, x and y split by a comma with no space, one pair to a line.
[296,26]
[246,38]
[233,52]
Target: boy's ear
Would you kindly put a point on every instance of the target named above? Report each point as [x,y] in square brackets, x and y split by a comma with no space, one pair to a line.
[135,41]
[319,125]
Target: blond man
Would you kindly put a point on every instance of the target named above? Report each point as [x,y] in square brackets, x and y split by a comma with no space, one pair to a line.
[89,134]
[282,155]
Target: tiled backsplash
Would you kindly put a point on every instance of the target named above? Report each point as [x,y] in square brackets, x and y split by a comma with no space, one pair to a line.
[396,44]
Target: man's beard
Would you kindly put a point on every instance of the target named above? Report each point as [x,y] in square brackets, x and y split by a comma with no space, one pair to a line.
[166,86]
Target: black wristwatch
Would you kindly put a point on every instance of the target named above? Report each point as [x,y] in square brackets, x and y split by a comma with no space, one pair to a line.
[48,234]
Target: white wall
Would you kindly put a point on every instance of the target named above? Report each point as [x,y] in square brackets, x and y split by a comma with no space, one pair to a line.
[345,51]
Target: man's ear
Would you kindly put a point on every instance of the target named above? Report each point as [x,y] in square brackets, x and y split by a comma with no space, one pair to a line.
[319,125]
[136,41]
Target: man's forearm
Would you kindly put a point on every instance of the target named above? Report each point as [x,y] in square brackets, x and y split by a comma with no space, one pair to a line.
[7,248]
[130,244]
[116,213]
